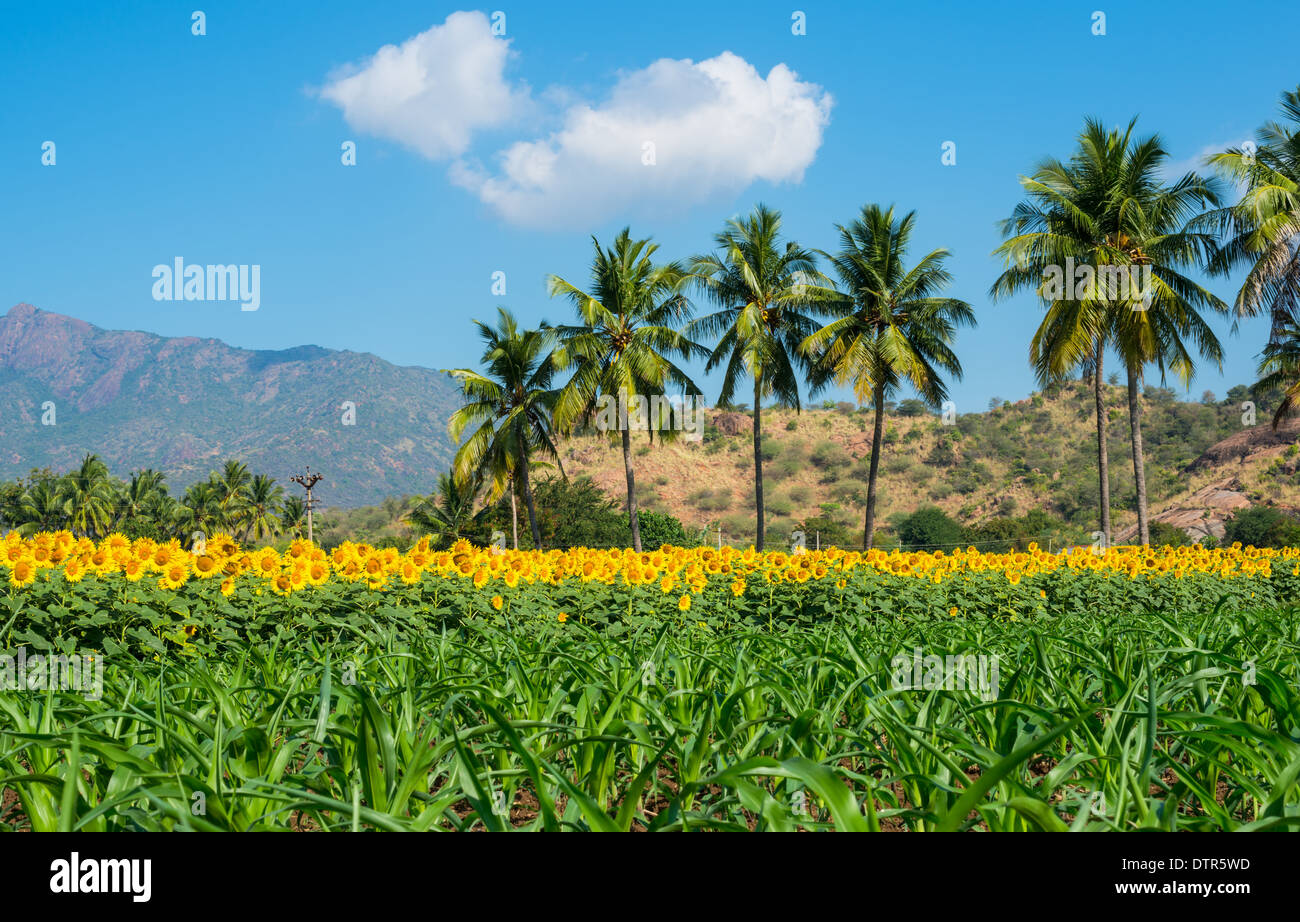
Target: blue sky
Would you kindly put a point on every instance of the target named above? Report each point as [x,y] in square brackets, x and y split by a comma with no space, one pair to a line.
[225,148]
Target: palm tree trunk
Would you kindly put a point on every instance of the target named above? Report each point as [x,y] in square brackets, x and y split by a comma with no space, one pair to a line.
[758,462]
[1103,456]
[514,515]
[631,489]
[869,529]
[1139,460]
[532,509]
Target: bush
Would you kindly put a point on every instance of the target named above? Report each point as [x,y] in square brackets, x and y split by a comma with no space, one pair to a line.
[928,528]
[707,500]
[1171,535]
[828,532]
[778,506]
[658,528]
[1262,526]
[826,453]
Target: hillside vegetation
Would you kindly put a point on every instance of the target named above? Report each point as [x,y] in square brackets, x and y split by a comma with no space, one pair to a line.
[1204,462]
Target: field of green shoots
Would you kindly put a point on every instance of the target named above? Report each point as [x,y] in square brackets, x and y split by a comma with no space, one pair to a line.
[1116,723]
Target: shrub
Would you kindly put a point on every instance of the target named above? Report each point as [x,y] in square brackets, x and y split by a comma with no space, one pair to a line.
[929,527]
[826,453]
[1262,526]
[658,528]
[1172,535]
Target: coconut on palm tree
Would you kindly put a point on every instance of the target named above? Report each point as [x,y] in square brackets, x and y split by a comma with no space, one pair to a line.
[622,347]
[507,418]
[892,326]
[767,293]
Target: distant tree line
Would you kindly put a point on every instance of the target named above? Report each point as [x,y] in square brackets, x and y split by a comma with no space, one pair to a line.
[90,501]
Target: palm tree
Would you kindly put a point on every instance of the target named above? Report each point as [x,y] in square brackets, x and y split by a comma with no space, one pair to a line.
[200,510]
[765,292]
[89,493]
[508,411]
[261,515]
[1264,226]
[231,487]
[142,498]
[1264,234]
[891,328]
[42,507]
[447,513]
[293,517]
[1157,328]
[622,345]
[1280,367]
[1106,212]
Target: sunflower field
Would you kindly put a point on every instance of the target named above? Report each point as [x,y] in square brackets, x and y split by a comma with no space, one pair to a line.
[676,689]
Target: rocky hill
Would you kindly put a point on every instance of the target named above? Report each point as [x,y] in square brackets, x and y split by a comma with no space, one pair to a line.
[183,405]
[1203,464]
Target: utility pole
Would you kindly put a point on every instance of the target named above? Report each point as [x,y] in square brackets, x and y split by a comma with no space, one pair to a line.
[307,481]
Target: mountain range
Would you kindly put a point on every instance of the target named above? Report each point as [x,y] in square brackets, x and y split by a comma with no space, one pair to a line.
[183,405]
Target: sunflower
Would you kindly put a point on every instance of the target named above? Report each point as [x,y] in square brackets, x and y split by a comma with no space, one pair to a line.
[318,573]
[133,569]
[23,573]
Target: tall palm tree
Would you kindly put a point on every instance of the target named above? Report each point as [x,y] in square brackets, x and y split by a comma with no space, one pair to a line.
[447,513]
[1106,213]
[261,513]
[892,327]
[621,347]
[1158,327]
[508,411]
[89,492]
[1264,234]
[767,294]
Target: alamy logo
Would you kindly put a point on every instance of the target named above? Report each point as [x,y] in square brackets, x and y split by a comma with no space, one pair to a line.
[179,282]
[56,671]
[1122,284]
[953,672]
[103,875]
[639,412]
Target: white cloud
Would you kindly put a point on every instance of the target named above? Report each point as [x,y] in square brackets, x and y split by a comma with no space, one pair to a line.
[716,127]
[1176,169]
[433,91]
